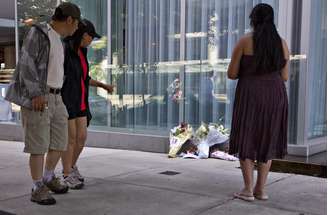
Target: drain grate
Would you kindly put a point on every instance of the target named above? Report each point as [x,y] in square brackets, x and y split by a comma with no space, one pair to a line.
[170,173]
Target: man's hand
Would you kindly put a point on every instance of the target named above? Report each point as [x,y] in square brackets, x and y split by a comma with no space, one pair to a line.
[39,103]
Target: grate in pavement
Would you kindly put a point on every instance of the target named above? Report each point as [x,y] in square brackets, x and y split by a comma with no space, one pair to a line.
[169,173]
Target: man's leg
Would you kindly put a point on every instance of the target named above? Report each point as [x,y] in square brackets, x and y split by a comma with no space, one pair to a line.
[49,178]
[40,194]
[36,138]
[53,157]
[58,142]
[36,166]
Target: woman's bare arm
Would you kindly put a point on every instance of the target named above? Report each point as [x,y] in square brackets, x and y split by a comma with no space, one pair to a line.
[237,53]
[284,71]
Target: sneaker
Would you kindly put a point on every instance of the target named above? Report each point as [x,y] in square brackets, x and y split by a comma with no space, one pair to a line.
[76,173]
[42,196]
[73,182]
[56,186]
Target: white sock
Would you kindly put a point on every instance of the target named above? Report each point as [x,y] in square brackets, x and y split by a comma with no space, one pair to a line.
[48,175]
[37,184]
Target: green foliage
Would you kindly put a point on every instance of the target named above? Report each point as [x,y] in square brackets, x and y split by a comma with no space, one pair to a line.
[99,44]
[96,72]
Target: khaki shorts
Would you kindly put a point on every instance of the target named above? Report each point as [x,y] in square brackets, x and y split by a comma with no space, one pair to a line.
[47,130]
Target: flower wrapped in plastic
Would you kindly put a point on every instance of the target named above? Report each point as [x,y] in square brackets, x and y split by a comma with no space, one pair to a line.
[179,136]
[223,156]
[217,134]
[200,138]
[202,132]
[209,135]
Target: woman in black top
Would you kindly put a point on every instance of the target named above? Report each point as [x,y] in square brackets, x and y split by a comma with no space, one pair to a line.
[259,122]
[75,96]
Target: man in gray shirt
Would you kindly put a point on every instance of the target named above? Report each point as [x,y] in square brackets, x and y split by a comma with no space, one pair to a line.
[36,86]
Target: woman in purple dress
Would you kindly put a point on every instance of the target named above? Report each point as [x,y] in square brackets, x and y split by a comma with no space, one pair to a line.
[259,123]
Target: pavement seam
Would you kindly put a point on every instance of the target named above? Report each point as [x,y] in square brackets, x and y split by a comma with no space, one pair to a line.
[280,179]
[112,179]
[198,212]
[15,197]
[155,187]
[15,166]
[201,211]
[132,172]
[287,209]
[254,203]
[108,179]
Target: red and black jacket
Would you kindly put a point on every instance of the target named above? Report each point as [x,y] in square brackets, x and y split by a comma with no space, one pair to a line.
[71,90]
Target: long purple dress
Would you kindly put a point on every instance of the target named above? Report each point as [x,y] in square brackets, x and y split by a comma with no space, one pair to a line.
[260,115]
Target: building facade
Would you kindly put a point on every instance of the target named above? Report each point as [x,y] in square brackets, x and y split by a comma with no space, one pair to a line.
[168,60]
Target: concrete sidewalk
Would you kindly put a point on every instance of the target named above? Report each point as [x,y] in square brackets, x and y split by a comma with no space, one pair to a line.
[128,182]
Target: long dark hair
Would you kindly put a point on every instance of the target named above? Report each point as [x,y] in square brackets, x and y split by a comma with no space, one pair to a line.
[267,44]
[76,38]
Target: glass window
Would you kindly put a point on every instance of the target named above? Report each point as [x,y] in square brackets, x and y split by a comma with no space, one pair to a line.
[317,66]
[30,11]
[212,30]
[168,60]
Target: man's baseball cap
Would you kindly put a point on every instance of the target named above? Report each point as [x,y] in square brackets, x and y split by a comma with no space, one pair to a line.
[68,9]
[90,28]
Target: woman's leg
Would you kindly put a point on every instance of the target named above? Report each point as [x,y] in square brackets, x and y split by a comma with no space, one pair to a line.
[81,136]
[262,175]
[247,168]
[67,156]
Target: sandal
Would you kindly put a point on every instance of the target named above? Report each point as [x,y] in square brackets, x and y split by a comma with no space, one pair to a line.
[263,197]
[244,197]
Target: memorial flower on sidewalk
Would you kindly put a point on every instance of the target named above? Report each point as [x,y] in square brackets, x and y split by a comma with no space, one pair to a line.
[178,136]
[217,134]
[202,131]
[186,144]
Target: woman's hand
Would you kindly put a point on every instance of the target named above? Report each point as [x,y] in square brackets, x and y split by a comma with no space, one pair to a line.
[109,88]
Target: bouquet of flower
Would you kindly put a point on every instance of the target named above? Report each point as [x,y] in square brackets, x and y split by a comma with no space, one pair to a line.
[200,138]
[223,156]
[202,132]
[174,90]
[209,135]
[217,134]
[188,150]
[178,136]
